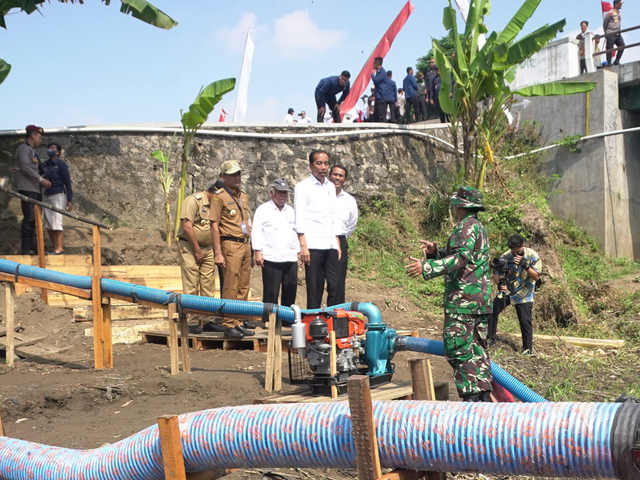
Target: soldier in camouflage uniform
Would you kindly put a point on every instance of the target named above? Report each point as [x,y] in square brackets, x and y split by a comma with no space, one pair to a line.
[467,296]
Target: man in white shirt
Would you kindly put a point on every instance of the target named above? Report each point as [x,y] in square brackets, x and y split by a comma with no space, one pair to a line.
[288,118]
[345,222]
[303,117]
[314,204]
[276,246]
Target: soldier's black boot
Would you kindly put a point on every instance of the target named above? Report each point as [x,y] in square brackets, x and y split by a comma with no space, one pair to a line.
[247,324]
[473,397]
[244,331]
[486,397]
[233,333]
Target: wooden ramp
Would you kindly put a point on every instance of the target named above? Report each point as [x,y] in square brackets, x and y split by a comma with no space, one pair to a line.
[387,391]
[216,340]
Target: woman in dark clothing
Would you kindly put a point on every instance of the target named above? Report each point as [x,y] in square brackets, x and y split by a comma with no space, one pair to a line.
[59,195]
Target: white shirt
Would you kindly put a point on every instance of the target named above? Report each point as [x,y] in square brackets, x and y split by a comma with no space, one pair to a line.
[346,214]
[288,118]
[314,204]
[274,233]
[304,120]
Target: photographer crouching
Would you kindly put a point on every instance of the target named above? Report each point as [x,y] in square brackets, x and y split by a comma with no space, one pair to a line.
[516,273]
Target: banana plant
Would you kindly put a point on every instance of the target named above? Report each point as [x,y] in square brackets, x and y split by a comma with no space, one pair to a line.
[5,68]
[475,88]
[166,179]
[192,120]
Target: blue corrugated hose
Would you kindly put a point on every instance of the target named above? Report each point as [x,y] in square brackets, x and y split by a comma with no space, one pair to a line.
[546,439]
[217,305]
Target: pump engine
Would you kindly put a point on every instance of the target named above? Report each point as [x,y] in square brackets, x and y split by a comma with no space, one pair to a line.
[311,338]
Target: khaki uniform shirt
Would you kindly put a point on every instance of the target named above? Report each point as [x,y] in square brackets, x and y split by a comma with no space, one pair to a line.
[230,218]
[195,208]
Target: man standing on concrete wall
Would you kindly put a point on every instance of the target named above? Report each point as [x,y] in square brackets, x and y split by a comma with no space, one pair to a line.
[30,184]
[385,93]
[612,25]
[584,25]
[346,222]
[194,245]
[467,295]
[314,204]
[410,85]
[230,230]
[326,92]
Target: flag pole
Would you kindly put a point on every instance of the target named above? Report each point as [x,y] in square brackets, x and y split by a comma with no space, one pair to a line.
[243,85]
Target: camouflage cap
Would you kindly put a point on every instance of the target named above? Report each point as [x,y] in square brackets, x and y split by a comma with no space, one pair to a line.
[468,197]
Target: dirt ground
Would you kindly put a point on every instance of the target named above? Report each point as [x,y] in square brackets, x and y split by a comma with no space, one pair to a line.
[63,401]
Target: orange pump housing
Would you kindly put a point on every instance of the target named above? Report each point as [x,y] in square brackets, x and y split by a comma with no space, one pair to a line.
[345,323]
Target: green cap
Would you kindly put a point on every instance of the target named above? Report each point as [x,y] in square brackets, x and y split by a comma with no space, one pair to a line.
[468,197]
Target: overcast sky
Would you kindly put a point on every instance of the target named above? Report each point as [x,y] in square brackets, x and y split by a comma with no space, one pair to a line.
[89,64]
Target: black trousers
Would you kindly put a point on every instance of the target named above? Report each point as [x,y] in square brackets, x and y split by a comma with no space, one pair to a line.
[618,41]
[422,108]
[342,269]
[331,102]
[323,266]
[380,110]
[416,109]
[277,276]
[523,310]
[583,66]
[28,227]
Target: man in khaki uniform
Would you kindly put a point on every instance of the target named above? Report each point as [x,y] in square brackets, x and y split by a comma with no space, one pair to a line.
[230,230]
[194,245]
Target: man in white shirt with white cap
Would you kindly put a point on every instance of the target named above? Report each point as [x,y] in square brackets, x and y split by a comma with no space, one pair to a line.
[314,204]
[345,223]
[276,246]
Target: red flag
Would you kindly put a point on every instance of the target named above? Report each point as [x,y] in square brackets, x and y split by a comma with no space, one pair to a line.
[606,6]
[222,116]
[360,83]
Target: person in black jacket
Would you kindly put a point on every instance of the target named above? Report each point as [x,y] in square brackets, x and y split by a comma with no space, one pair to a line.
[59,195]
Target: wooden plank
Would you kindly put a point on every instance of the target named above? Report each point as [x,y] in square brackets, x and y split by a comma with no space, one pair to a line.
[7,277]
[184,336]
[107,334]
[22,341]
[277,372]
[96,302]
[173,339]
[40,244]
[50,260]
[421,379]
[579,341]
[403,475]
[121,312]
[363,428]
[9,315]
[271,351]
[1,427]
[171,447]
[333,366]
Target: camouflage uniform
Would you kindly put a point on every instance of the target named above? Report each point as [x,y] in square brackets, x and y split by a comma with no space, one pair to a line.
[467,298]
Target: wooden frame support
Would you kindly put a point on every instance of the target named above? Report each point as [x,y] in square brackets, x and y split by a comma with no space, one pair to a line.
[40,244]
[333,362]
[9,315]
[107,346]
[363,428]
[171,447]
[273,372]
[1,427]
[184,340]
[421,379]
[96,302]
[173,338]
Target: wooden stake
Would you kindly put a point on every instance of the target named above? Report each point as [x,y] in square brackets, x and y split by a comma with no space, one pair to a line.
[333,366]
[277,370]
[96,302]
[421,379]
[1,427]
[363,428]
[271,352]
[9,315]
[40,244]
[107,346]
[171,448]
[184,337]
[173,339]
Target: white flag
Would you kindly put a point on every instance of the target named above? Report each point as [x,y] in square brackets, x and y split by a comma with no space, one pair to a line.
[463,6]
[243,85]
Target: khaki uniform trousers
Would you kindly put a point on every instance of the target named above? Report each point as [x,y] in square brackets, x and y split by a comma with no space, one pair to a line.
[237,275]
[197,279]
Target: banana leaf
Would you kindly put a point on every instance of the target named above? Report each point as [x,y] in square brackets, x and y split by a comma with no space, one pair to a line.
[446,104]
[475,26]
[450,23]
[530,44]
[5,68]
[148,13]
[204,103]
[556,88]
[515,25]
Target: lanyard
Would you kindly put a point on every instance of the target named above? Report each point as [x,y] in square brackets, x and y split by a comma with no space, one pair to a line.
[234,199]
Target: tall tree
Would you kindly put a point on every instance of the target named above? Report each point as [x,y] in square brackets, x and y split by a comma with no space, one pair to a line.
[481,77]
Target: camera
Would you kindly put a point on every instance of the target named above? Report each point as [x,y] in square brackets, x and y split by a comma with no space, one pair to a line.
[500,266]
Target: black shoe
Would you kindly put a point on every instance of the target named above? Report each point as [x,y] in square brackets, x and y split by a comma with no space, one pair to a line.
[473,397]
[247,324]
[244,331]
[491,342]
[195,329]
[486,397]
[213,327]
[233,333]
